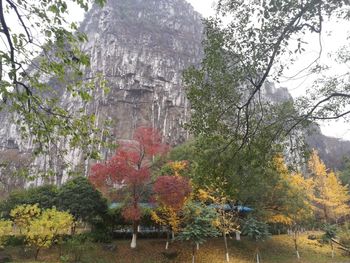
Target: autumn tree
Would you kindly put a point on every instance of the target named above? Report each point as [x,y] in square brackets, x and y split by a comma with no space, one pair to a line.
[5,230]
[23,215]
[171,193]
[41,228]
[128,172]
[227,220]
[331,197]
[44,230]
[296,208]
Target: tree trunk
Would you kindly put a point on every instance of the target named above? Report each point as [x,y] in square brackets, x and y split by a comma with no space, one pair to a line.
[325,213]
[332,249]
[197,246]
[36,254]
[134,235]
[295,239]
[193,253]
[226,248]
[73,228]
[238,235]
[257,255]
[167,240]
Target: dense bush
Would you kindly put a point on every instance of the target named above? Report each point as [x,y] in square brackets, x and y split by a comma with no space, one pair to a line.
[82,200]
[45,196]
[13,241]
[77,196]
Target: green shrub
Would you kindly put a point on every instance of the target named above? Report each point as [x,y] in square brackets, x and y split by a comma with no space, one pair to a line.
[45,196]
[82,200]
[344,235]
[14,241]
[75,247]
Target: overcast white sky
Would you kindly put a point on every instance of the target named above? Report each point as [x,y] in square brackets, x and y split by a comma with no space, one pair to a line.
[203,6]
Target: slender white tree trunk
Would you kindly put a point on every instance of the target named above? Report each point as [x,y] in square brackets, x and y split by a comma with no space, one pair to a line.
[197,246]
[134,235]
[238,235]
[133,241]
[226,247]
[167,241]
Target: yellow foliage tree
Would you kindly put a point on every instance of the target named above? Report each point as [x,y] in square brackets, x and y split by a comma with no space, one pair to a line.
[41,227]
[296,206]
[5,230]
[227,220]
[22,215]
[43,231]
[331,197]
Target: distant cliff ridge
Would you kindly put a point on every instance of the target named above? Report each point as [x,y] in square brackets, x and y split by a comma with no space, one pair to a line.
[331,150]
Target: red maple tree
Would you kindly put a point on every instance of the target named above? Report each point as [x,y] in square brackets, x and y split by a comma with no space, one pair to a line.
[129,170]
[172,191]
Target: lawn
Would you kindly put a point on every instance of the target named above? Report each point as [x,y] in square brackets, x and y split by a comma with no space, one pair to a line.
[278,249]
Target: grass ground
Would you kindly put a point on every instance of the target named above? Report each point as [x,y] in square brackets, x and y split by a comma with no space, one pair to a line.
[278,249]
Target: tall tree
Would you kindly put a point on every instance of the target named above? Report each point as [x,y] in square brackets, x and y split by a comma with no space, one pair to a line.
[295,210]
[245,53]
[331,197]
[227,219]
[129,172]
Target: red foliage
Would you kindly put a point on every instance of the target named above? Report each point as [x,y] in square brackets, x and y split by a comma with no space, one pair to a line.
[130,168]
[131,213]
[172,191]
[150,141]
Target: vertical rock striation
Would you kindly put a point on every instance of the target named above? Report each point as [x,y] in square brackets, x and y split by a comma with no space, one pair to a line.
[142,47]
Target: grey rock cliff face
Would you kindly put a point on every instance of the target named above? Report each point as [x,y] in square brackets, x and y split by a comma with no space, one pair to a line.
[142,47]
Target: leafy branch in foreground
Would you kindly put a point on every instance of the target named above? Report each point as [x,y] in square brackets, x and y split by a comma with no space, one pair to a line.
[242,58]
[41,62]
